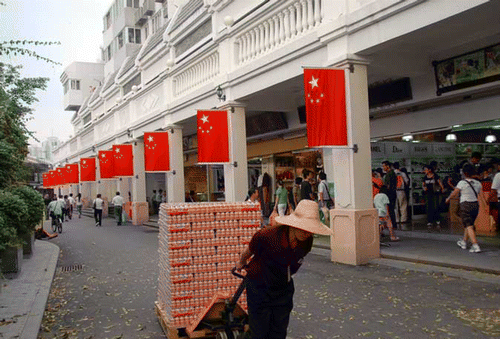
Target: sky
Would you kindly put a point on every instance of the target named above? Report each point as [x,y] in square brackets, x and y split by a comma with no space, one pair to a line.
[78,25]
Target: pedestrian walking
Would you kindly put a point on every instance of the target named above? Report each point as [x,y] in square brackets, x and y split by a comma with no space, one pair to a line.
[494,197]
[325,200]
[71,205]
[281,201]
[55,209]
[79,204]
[296,192]
[118,202]
[403,181]
[390,182]
[154,202]
[66,208]
[98,205]
[306,191]
[381,203]
[278,253]
[469,190]
[432,186]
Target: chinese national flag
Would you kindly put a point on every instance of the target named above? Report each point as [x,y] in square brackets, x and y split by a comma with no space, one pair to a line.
[213,137]
[325,107]
[156,152]
[46,180]
[60,176]
[72,174]
[123,158]
[52,178]
[87,169]
[106,164]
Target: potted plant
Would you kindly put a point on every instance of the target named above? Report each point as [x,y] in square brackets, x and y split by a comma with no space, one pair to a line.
[34,202]
[13,211]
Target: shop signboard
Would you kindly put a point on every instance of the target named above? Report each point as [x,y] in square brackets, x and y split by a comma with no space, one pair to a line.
[397,149]
[443,149]
[421,150]
[378,150]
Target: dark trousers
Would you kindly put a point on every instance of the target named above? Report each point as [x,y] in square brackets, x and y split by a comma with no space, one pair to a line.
[392,206]
[98,216]
[432,206]
[269,311]
[118,214]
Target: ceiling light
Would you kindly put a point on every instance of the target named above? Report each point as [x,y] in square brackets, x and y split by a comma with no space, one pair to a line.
[490,138]
[451,137]
[407,137]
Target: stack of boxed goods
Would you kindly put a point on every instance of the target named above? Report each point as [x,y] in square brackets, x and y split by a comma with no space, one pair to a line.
[199,244]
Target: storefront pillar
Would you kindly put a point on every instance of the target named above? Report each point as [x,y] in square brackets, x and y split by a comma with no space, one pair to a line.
[175,178]
[86,191]
[236,172]
[354,221]
[140,211]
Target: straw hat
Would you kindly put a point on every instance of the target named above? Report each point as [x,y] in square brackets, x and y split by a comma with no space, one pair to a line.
[305,217]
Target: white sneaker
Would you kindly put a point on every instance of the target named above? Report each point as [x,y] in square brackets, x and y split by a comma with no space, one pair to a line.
[475,248]
[462,244]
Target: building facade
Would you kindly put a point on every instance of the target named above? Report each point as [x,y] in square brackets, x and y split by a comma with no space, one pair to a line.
[163,60]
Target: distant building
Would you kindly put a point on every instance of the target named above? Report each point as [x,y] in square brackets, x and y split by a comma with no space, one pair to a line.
[45,151]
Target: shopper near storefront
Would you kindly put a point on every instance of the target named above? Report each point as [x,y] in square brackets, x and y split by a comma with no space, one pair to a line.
[278,253]
[390,183]
[296,191]
[377,183]
[79,204]
[469,190]
[118,202]
[281,202]
[475,159]
[71,204]
[306,191]
[494,197]
[403,182]
[253,195]
[265,195]
[432,185]
[324,197]
[381,203]
[449,183]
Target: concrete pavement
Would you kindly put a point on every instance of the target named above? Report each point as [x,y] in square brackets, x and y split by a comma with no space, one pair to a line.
[112,270]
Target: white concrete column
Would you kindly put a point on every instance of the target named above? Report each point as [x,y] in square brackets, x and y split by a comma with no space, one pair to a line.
[86,190]
[236,173]
[175,178]
[140,213]
[354,220]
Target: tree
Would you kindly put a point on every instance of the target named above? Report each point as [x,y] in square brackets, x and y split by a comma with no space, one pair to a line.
[17,47]
[16,96]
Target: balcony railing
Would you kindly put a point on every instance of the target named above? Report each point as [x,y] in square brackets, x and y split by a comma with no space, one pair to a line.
[147,9]
[298,18]
[197,74]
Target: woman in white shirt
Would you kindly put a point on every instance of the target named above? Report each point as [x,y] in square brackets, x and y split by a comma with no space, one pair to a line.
[469,190]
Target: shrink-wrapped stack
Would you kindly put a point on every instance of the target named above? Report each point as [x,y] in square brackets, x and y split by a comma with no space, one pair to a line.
[199,244]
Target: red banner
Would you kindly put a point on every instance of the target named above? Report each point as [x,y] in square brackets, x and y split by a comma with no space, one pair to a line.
[106,164]
[46,180]
[325,107]
[60,176]
[123,158]
[87,169]
[213,137]
[72,174]
[52,178]
[156,152]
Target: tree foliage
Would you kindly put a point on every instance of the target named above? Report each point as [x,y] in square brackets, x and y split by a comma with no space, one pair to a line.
[35,203]
[13,211]
[17,94]
[19,48]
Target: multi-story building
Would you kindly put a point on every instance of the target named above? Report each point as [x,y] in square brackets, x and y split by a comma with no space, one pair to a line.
[417,67]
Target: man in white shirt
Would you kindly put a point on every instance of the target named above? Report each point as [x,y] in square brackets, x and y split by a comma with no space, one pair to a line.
[401,198]
[71,204]
[118,205]
[98,205]
[495,187]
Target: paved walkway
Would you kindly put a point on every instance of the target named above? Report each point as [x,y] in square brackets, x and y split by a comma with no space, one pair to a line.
[23,299]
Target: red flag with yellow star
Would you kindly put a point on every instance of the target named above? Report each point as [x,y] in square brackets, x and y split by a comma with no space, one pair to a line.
[123,160]
[156,152]
[213,137]
[72,174]
[46,180]
[106,167]
[325,107]
[87,169]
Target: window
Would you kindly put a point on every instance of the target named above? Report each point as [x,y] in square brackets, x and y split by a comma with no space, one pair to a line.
[75,84]
[120,40]
[133,3]
[108,53]
[107,20]
[134,35]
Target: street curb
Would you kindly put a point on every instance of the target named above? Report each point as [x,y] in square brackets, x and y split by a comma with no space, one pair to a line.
[34,321]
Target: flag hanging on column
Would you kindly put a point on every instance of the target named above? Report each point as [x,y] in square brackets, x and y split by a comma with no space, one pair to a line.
[60,176]
[325,107]
[72,174]
[106,164]
[87,169]
[156,152]
[123,160]
[46,180]
[213,137]
[52,178]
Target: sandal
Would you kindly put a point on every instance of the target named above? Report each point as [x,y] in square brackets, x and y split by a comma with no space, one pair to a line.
[394,238]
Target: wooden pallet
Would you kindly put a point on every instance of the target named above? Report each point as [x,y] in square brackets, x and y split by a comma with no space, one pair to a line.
[175,333]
